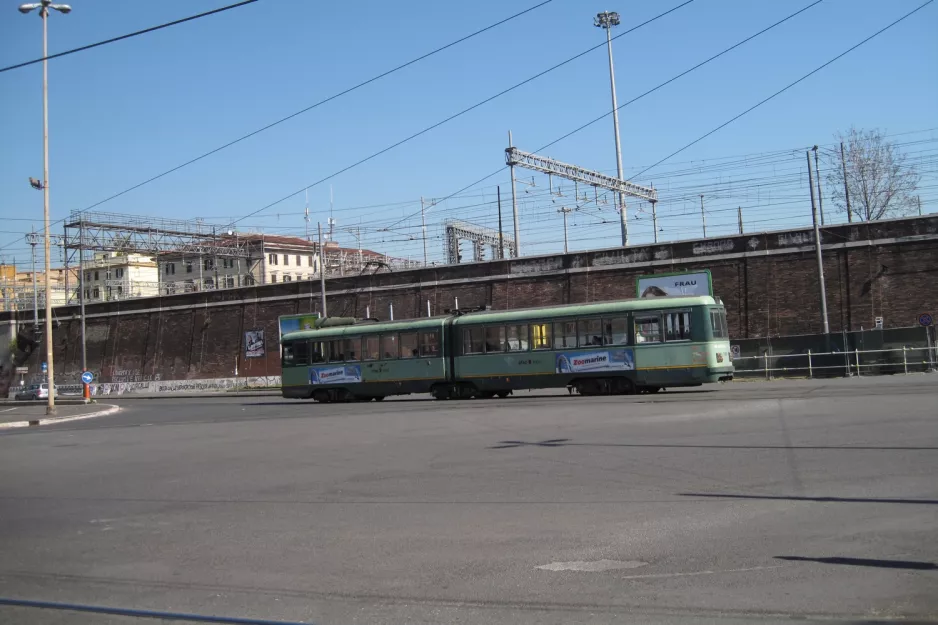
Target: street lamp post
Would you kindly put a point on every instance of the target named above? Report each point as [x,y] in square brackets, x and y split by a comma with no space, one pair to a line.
[44,7]
[606,20]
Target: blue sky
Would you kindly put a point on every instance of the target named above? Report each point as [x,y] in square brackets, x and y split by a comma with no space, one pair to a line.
[124,112]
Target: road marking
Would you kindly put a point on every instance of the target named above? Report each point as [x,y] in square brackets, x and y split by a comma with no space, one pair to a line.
[596,566]
[655,575]
[9,409]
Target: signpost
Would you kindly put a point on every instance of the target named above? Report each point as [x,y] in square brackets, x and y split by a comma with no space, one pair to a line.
[86,378]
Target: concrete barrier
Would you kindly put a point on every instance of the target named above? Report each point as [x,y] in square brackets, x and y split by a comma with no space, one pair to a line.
[183,386]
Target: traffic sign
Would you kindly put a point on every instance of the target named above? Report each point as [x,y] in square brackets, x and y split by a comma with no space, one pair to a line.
[925,319]
[87,377]
[735,351]
[45,367]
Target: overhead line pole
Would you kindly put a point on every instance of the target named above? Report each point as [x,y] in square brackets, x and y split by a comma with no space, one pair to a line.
[514,202]
[817,250]
[322,272]
[607,20]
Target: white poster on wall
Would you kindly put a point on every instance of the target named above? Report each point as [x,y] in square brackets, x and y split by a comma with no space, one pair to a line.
[675,284]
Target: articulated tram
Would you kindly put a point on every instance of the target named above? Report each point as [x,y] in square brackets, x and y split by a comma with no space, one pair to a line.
[618,347]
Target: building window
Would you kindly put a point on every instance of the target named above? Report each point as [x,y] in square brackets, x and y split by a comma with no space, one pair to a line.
[87,293]
[170,269]
[120,290]
[271,259]
[286,259]
[273,278]
[208,264]
[287,277]
[227,263]
[309,260]
[188,266]
[87,276]
[229,282]
[95,274]
[119,272]
[96,293]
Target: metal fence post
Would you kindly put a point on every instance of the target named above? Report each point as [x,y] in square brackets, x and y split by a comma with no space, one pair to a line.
[856,353]
[905,363]
[765,358]
[810,369]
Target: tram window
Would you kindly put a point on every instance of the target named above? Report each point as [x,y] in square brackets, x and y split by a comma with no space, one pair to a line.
[718,324]
[389,347]
[564,334]
[429,344]
[495,339]
[648,329]
[590,332]
[473,341]
[540,336]
[616,331]
[372,347]
[409,345]
[352,347]
[517,338]
[677,326]
[300,353]
[288,355]
[316,352]
[335,351]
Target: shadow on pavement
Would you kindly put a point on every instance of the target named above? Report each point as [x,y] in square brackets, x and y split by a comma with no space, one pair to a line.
[924,502]
[882,564]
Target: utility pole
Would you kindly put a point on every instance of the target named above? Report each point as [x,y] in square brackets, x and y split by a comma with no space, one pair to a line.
[606,20]
[820,199]
[654,218]
[703,217]
[817,250]
[564,210]
[843,162]
[739,214]
[423,219]
[33,239]
[514,203]
[322,273]
[501,236]
[918,198]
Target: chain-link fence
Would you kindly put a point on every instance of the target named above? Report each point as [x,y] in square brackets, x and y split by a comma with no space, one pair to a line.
[867,352]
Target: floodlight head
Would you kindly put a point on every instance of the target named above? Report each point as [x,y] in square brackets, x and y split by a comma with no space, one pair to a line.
[606,19]
[26,8]
[62,8]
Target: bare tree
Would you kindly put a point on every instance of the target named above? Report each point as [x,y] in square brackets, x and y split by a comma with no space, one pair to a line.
[880,183]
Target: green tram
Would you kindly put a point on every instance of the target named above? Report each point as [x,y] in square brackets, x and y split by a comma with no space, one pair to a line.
[619,347]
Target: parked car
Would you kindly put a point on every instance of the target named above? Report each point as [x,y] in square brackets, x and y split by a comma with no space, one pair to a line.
[35,391]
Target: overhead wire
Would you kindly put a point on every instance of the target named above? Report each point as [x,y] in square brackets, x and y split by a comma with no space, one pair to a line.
[318,104]
[127,36]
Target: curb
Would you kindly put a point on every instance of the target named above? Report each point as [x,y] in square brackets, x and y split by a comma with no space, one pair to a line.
[52,420]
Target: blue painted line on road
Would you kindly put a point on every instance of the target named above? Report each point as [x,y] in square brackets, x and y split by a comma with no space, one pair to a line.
[169,616]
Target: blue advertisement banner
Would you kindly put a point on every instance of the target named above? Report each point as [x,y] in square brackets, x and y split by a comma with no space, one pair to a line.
[606,360]
[347,374]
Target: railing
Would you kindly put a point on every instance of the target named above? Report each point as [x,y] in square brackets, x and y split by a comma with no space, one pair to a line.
[816,363]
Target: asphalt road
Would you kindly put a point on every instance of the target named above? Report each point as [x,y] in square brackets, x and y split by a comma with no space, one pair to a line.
[745,502]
